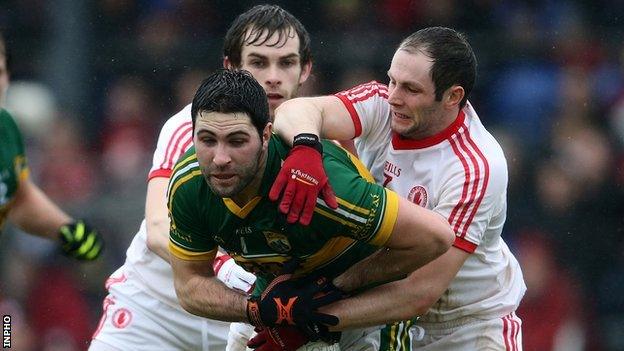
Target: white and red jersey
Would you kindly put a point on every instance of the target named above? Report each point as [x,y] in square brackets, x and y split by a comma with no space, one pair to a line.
[460,173]
[144,267]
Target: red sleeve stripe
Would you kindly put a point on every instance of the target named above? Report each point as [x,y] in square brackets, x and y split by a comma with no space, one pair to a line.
[184,139]
[486,178]
[473,193]
[464,194]
[465,245]
[159,173]
[173,142]
[365,91]
[475,184]
[357,94]
[353,113]
[366,87]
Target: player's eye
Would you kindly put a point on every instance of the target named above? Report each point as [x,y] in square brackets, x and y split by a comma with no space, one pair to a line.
[257,63]
[208,141]
[238,142]
[412,90]
[287,63]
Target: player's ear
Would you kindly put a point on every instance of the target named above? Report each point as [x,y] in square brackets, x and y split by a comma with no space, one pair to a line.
[305,72]
[266,134]
[227,64]
[454,96]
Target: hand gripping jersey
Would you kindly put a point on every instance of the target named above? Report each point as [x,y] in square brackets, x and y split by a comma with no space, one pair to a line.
[13,168]
[258,237]
[460,173]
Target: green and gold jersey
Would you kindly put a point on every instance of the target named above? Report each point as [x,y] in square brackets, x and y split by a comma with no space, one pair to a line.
[257,235]
[13,168]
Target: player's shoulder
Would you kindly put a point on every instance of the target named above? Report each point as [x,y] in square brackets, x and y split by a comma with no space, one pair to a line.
[478,152]
[365,90]
[480,139]
[186,176]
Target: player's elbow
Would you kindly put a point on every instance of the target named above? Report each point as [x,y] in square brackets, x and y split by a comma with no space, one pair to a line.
[418,300]
[185,297]
[156,243]
[445,237]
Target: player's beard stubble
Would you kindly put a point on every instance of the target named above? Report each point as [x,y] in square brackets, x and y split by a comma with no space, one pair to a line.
[244,175]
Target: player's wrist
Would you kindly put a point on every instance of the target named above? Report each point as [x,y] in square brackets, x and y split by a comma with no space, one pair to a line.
[218,262]
[308,139]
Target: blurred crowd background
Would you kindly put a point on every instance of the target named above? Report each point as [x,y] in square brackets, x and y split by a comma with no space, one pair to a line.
[93,82]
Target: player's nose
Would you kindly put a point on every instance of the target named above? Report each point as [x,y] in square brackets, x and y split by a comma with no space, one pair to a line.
[273,77]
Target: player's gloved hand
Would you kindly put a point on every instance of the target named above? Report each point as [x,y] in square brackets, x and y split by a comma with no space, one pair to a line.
[80,241]
[233,275]
[302,178]
[277,339]
[288,302]
[319,331]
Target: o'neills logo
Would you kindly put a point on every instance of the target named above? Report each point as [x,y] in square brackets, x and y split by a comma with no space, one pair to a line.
[418,195]
[303,176]
[392,169]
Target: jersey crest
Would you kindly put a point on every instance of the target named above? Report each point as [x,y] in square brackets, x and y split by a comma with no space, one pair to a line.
[418,195]
[277,241]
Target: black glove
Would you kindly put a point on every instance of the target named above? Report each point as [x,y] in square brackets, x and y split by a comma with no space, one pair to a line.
[289,302]
[317,331]
[80,241]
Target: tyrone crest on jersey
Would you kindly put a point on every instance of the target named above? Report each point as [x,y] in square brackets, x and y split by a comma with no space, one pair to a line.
[277,241]
[418,195]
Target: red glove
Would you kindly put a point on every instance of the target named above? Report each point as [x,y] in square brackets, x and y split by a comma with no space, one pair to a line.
[302,178]
[277,339]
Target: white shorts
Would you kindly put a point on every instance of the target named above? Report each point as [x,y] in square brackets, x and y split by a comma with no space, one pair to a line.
[470,334]
[352,340]
[135,320]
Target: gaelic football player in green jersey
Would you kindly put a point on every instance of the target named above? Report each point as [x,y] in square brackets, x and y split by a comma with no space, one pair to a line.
[23,203]
[218,197]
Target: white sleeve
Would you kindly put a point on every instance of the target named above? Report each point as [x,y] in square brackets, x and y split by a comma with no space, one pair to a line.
[474,191]
[368,106]
[175,138]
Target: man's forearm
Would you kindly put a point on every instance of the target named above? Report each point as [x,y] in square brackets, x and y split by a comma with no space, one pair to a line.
[382,266]
[158,236]
[401,299]
[210,298]
[33,212]
[383,304]
[157,217]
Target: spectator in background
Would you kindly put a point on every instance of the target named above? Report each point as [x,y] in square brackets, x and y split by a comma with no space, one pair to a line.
[552,309]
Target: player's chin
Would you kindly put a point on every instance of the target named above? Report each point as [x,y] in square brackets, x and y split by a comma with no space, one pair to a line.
[401,126]
[223,187]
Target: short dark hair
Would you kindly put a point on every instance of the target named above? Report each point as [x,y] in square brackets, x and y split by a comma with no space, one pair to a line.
[454,62]
[231,91]
[248,28]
